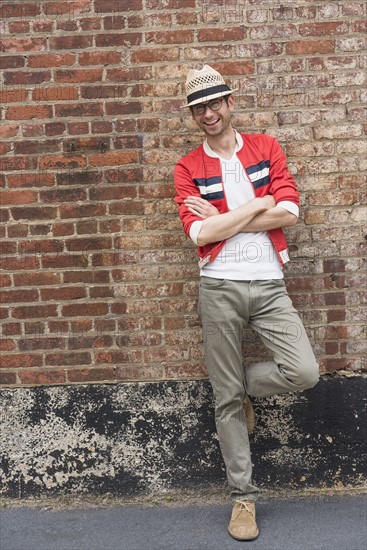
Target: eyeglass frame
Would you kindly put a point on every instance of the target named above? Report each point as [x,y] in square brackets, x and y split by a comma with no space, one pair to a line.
[205,105]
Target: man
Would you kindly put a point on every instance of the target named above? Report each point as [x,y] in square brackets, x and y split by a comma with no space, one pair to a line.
[235,194]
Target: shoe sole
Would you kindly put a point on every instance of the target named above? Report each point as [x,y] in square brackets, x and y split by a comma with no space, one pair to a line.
[237,538]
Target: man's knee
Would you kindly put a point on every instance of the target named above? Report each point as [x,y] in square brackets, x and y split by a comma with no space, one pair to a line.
[307,376]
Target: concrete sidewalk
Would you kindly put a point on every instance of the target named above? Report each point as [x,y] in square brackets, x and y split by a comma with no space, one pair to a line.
[320,523]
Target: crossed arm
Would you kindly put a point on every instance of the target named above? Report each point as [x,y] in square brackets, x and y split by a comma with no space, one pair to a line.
[259,214]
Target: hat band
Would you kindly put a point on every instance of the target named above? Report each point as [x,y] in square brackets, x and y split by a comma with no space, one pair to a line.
[207,92]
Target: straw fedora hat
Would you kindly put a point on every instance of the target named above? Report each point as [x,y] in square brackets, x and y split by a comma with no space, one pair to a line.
[205,85]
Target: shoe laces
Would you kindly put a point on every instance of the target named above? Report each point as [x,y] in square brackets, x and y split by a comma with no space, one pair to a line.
[245,506]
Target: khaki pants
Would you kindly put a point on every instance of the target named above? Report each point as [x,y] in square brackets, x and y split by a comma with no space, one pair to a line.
[226,307]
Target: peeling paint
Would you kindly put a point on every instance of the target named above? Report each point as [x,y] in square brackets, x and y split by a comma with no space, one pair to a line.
[141,438]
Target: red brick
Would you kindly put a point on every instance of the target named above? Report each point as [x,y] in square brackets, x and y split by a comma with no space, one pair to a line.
[323,28]
[13,96]
[23,9]
[85,309]
[12,61]
[112,22]
[170,37]
[118,39]
[18,197]
[65,359]
[90,177]
[124,108]
[8,130]
[42,377]
[307,47]
[116,357]
[84,211]
[335,315]
[32,179]
[18,45]
[63,195]
[55,93]
[27,312]
[150,55]
[20,27]
[104,91]
[63,294]
[129,74]
[75,42]
[5,280]
[33,213]
[28,112]
[113,158]
[7,344]
[14,296]
[8,378]
[78,75]
[130,373]
[116,6]
[169,4]
[220,35]
[99,58]
[26,77]
[334,266]
[51,60]
[96,243]
[77,128]
[62,162]
[16,361]
[91,375]
[37,279]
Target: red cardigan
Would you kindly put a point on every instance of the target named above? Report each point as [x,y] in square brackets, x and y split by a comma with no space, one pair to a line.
[265,165]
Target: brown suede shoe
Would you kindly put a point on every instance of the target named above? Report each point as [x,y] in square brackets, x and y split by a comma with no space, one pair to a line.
[242,525]
[249,414]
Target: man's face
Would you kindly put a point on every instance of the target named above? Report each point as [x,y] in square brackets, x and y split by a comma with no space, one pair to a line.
[215,122]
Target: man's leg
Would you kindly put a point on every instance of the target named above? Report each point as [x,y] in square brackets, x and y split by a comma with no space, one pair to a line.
[223,312]
[274,318]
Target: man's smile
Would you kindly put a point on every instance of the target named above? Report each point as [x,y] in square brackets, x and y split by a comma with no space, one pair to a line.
[212,123]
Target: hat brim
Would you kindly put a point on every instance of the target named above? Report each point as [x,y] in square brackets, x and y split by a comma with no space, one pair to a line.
[203,99]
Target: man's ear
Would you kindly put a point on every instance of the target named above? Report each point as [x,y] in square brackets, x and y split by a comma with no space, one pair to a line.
[231,102]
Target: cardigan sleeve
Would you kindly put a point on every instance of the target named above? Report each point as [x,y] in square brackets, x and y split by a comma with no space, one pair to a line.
[185,187]
[282,184]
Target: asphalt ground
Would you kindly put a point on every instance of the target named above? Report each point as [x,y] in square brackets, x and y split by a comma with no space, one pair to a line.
[337,522]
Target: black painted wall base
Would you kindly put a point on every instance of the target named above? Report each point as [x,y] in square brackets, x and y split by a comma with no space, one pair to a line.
[145,437]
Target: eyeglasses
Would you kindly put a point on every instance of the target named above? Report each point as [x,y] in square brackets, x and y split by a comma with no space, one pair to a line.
[214,105]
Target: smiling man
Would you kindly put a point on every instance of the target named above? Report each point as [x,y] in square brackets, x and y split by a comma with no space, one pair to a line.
[235,194]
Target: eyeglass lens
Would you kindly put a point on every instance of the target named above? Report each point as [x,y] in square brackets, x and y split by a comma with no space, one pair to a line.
[214,105]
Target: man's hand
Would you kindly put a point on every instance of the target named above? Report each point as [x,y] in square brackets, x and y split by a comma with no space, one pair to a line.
[269,201]
[200,207]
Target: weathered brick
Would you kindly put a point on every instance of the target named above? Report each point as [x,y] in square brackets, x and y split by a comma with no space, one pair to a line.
[18,45]
[323,28]
[96,234]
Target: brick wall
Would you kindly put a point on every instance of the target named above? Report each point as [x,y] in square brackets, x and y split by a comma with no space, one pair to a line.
[99,281]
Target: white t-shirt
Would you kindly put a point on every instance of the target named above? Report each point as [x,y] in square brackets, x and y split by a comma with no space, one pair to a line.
[245,256]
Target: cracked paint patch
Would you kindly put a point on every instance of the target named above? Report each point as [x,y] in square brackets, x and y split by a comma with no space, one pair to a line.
[141,438]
